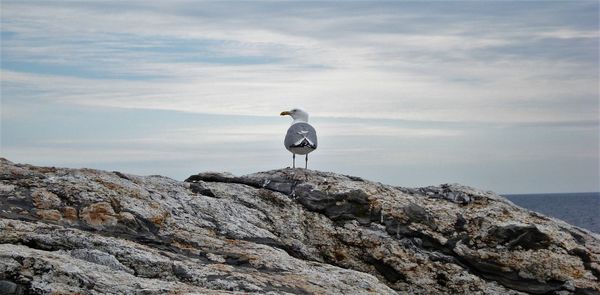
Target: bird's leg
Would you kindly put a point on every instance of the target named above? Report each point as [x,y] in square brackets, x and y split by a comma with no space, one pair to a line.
[293,160]
[306,162]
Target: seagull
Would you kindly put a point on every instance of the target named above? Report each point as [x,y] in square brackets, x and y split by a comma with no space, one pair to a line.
[301,138]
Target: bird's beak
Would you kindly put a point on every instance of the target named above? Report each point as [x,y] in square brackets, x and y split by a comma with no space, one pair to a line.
[285,113]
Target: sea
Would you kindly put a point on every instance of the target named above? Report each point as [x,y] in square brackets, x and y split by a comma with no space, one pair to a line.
[580,209]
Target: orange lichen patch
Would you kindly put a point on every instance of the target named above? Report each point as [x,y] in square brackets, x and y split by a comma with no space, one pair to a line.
[233,242]
[159,219]
[70,213]
[221,267]
[43,199]
[110,185]
[50,215]
[99,214]
[122,190]
[577,273]
[183,245]
[155,205]
[255,261]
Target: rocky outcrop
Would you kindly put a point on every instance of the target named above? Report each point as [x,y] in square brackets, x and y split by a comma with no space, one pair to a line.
[291,231]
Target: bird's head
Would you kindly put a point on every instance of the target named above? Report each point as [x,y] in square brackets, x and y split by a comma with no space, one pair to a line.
[297,114]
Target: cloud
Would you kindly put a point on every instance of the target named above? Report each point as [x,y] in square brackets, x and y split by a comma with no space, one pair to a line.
[390,61]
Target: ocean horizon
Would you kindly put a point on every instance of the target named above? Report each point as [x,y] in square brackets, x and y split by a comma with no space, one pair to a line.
[579,209]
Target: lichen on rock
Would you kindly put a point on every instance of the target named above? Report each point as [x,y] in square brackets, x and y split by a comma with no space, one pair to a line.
[287,231]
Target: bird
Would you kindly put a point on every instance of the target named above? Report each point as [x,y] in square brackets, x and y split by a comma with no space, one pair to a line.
[301,137]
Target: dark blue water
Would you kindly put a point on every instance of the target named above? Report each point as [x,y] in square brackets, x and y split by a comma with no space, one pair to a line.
[580,209]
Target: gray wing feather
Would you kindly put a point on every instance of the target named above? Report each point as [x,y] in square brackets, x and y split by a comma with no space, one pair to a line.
[297,132]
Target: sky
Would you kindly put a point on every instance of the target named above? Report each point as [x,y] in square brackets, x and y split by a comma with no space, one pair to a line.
[502,96]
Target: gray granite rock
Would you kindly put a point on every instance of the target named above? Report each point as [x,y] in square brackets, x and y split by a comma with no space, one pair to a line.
[276,232]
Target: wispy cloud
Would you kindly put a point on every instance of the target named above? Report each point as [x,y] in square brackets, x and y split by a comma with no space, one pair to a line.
[378,63]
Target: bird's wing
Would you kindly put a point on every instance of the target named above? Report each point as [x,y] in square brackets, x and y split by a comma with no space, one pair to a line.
[299,134]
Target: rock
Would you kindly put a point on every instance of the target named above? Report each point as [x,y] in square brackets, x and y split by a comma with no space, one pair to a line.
[101,258]
[276,232]
[10,288]
[44,199]
[525,237]
[49,215]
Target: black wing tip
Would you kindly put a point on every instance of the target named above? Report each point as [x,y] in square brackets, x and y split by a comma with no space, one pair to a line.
[304,143]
